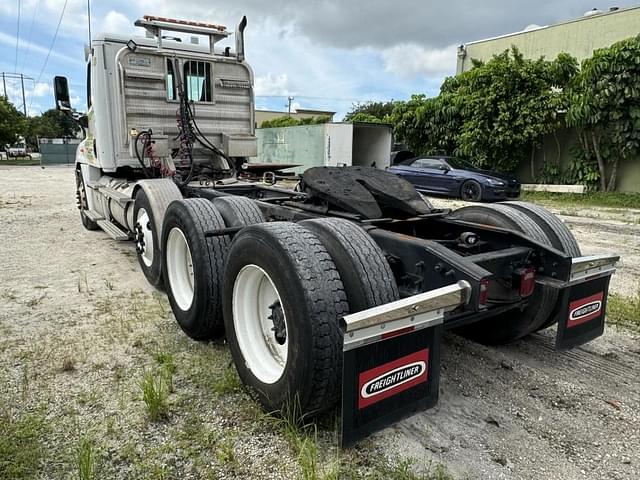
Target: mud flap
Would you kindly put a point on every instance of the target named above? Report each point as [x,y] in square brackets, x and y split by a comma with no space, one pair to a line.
[391,360]
[583,314]
[386,381]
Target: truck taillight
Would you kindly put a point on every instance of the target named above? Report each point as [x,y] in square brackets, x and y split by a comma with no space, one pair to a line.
[527,281]
[484,292]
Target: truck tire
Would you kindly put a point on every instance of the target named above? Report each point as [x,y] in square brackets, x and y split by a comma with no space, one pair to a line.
[151,201]
[513,324]
[283,299]
[193,266]
[238,211]
[81,196]
[146,239]
[363,268]
[557,232]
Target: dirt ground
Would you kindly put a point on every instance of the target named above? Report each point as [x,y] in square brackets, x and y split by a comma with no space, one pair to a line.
[80,329]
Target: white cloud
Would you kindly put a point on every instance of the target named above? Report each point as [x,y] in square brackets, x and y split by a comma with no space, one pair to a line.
[10,40]
[42,89]
[116,22]
[410,60]
[272,84]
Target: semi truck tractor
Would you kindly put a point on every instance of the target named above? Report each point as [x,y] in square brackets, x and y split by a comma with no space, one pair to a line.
[334,293]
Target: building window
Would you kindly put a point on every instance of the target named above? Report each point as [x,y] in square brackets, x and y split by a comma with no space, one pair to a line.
[171,81]
[197,81]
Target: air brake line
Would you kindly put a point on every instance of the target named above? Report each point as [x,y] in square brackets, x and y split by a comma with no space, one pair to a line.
[186,125]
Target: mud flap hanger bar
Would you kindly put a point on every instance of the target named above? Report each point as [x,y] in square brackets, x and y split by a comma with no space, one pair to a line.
[413,313]
[391,359]
[584,269]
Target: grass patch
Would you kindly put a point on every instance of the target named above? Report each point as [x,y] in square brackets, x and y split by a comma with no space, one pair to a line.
[592,199]
[624,311]
[20,445]
[155,392]
[20,161]
[86,460]
[228,382]
[68,364]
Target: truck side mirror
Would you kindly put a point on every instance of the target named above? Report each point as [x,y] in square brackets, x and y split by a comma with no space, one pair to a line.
[61,91]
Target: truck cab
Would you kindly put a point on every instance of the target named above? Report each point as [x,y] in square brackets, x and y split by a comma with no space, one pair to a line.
[132,86]
[174,103]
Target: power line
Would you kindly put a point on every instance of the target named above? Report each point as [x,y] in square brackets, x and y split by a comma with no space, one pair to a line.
[333,99]
[15,66]
[33,21]
[15,76]
[46,60]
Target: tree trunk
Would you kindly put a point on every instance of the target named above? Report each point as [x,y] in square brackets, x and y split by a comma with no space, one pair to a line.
[596,149]
[555,136]
[584,141]
[612,178]
[533,168]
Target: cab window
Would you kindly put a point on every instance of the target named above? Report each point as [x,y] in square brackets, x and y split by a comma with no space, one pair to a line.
[197,81]
[171,81]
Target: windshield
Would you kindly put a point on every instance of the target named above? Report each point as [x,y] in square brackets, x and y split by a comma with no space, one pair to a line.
[460,163]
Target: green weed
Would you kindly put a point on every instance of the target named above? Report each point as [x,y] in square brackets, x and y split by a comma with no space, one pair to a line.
[20,445]
[592,199]
[228,382]
[154,395]
[86,457]
[624,311]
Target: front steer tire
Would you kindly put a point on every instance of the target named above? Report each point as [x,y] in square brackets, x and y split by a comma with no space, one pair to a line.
[81,195]
[196,302]
[292,264]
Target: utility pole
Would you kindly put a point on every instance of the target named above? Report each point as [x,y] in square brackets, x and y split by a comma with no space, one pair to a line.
[289,106]
[89,19]
[24,102]
[22,78]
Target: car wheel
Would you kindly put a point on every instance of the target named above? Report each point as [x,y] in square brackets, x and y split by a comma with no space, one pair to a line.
[471,191]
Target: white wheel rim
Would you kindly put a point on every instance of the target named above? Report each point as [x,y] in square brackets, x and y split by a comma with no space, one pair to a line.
[179,268]
[253,294]
[147,249]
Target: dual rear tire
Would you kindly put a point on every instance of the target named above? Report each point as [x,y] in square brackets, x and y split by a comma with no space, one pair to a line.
[286,287]
[537,224]
[278,291]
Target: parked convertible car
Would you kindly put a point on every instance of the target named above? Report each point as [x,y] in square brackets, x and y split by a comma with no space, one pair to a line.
[455,177]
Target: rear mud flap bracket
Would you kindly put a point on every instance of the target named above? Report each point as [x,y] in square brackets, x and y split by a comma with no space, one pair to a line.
[391,360]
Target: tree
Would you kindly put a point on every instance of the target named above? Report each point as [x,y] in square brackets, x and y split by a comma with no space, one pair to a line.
[604,106]
[495,114]
[51,124]
[286,121]
[373,112]
[11,123]
[365,118]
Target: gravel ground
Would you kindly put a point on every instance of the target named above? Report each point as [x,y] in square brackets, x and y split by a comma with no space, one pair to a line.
[80,328]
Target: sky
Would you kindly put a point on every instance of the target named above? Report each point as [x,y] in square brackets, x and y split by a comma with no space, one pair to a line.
[327,54]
